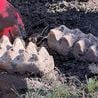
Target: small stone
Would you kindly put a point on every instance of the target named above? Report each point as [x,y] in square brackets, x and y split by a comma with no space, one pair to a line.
[93,68]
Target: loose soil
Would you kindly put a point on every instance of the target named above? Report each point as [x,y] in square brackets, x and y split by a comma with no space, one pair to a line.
[40,16]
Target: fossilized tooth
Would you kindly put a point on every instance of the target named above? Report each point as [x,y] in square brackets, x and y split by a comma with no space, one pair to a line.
[93,67]
[81,47]
[92,54]
[53,37]
[20,59]
[45,60]
[32,61]
[61,39]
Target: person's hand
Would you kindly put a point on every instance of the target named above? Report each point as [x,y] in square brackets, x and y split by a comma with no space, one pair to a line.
[11,23]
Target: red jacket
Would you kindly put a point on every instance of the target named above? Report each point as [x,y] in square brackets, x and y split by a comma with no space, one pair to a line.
[10,20]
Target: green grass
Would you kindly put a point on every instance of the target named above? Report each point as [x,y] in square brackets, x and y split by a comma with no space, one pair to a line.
[66,91]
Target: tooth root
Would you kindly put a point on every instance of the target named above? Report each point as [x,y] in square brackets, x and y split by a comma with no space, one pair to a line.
[18,45]
[81,47]
[12,60]
[31,48]
[92,54]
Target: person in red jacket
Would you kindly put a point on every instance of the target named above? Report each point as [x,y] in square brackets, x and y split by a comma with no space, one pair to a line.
[11,23]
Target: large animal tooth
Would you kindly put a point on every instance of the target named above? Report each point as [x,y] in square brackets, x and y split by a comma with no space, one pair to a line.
[80,47]
[18,59]
[92,53]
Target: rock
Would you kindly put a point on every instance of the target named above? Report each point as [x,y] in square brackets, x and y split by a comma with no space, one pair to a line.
[93,68]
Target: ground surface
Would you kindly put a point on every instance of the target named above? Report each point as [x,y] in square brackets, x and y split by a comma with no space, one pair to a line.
[40,14]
